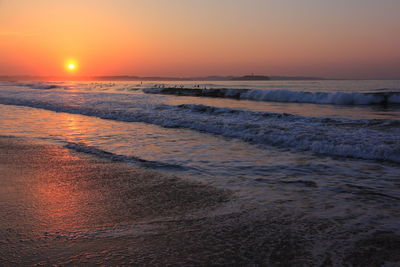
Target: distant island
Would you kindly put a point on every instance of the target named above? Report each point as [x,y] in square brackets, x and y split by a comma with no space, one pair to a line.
[251,78]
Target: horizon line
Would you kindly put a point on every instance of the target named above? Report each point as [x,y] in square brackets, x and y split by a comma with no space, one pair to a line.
[128,77]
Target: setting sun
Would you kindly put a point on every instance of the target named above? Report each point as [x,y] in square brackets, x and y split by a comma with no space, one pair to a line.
[71,65]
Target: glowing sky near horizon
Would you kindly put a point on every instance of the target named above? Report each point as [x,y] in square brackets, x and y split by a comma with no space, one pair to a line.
[342,38]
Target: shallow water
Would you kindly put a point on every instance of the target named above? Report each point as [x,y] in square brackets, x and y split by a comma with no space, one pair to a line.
[248,146]
[339,163]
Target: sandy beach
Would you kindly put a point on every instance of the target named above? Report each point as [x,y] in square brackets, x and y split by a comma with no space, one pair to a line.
[68,208]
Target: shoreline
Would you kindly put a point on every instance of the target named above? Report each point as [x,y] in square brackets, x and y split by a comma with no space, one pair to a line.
[65,207]
[50,194]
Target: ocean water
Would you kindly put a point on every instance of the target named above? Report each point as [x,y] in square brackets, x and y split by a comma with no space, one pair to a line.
[326,148]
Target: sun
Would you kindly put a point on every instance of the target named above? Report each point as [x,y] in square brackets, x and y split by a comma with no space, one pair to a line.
[71,65]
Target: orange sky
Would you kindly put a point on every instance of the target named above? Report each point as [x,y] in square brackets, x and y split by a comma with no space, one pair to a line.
[342,38]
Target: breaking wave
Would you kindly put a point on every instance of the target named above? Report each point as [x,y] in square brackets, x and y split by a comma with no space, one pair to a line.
[363,139]
[333,98]
[40,85]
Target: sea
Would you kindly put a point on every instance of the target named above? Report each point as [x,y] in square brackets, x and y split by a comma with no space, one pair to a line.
[326,148]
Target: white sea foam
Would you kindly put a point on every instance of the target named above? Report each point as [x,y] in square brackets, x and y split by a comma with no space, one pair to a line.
[336,98]
[365,139]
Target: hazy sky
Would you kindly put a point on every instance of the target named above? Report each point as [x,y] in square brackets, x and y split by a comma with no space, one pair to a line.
[331,38]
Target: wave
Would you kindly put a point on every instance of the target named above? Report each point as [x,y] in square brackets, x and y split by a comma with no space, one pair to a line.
[334,98]
[379,97]
[93,86]
[79,147]
[363,139]
[40,85]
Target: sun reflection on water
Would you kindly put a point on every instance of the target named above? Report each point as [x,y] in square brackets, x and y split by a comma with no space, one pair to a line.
[58,195]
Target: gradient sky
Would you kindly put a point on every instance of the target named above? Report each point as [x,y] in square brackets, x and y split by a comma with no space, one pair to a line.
[341,38]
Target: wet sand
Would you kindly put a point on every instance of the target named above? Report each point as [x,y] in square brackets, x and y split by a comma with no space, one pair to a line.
[59,206]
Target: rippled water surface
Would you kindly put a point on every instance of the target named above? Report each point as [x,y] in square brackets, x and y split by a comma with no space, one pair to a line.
[328,156]
[311,152]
